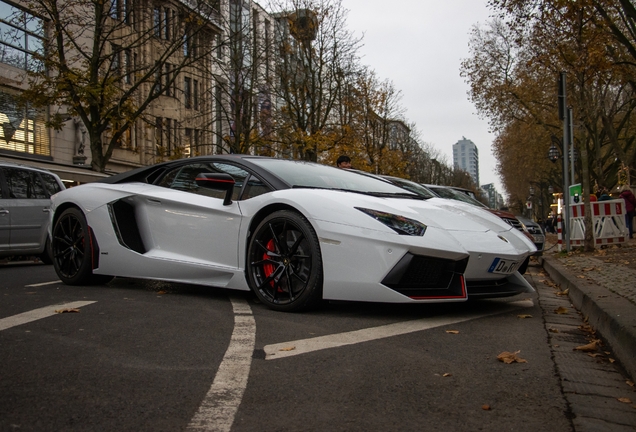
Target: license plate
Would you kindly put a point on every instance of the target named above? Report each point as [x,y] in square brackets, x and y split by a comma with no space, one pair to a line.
[501,266]
[538,238]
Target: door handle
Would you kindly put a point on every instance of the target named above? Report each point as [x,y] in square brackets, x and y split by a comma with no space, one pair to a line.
[3,211]
[154,201]
[46,210]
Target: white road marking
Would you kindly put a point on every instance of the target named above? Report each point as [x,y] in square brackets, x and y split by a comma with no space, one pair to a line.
[37,314]
[303,346]
[43,283]
[221,403]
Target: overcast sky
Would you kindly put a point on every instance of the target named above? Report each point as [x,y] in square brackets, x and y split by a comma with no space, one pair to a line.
[419,45]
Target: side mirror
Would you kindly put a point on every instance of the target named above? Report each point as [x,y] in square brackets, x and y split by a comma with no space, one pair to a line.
[217,181]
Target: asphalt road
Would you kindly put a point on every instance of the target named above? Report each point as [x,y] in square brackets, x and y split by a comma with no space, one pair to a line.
[156,356]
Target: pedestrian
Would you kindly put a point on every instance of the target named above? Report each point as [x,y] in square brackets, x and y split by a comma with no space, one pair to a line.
[630,207]
[604,195]
[344,162]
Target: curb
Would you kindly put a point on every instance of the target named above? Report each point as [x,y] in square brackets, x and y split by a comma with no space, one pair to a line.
[613,316]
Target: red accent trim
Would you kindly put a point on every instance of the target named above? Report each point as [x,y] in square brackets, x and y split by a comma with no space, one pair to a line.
[463,295]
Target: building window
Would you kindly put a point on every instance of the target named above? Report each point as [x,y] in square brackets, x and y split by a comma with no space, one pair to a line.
[22,129]
[114,11]
[187,92]
[21,38]
[115,64]
[127,67]
[167,86]
[156,21]
[195,94]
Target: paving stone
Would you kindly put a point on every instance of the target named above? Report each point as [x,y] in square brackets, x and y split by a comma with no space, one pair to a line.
[587,424]
[603,408]
[586,388]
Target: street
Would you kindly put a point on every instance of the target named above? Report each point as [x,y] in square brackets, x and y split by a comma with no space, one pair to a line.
[157,356]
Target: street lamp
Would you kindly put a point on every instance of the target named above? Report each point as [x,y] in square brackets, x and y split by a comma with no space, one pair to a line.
[553,152]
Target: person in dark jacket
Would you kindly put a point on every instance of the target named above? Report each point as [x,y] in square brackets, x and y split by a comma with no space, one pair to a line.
[630,206]
[604,195]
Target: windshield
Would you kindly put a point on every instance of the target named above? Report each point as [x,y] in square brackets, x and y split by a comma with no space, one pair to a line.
[412,186]
[301,174]
[445,192]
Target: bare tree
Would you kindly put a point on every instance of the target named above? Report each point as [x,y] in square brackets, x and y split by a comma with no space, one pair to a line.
[111,62]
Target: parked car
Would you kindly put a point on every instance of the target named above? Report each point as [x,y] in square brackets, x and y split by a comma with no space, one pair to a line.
[537,233]
[25,210]
[459,194]
[293,232]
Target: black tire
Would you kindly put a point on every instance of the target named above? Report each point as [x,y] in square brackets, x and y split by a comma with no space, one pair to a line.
[47,256]
[72,250]
[284,264]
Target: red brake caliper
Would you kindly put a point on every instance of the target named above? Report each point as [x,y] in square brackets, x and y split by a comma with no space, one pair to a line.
[268,268]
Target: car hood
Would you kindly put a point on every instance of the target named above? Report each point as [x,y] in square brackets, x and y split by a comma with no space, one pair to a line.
[341,207]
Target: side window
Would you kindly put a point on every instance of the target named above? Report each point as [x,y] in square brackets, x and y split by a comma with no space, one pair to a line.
[254,188]
[24,184]
[239,175]
[183,178]
[51,184]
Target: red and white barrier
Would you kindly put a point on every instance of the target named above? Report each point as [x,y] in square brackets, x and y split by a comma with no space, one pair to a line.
[608,221]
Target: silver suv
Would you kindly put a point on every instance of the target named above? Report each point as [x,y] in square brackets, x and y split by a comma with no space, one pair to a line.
[24,210]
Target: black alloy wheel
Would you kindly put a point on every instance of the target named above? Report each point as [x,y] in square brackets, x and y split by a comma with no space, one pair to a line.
[284,264]
[72,249]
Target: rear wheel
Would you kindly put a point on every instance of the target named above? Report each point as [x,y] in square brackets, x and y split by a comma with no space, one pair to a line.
[72,250]
[284,264]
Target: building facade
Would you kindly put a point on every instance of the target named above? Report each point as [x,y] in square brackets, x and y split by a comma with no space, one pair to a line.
[466,157]
[191,109]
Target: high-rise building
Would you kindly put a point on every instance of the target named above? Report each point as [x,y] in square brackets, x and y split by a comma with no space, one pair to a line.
[466,157]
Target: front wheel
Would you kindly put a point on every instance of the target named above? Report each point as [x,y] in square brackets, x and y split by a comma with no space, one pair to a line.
[284,264]
[72,249]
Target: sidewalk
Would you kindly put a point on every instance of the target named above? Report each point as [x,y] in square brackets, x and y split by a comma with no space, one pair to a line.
[602,286]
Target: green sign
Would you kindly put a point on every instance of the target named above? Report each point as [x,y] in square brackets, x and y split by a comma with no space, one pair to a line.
[576,192]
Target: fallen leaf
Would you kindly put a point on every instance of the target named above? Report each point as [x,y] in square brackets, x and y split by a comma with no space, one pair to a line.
[624,400]
[287,349]
[67,310]
[592,346]
[162,292]
[447,375]
[524,316]
[588,269]
[509,357]
[564,292]
[452,331]
[553,330]
[625,262]
[595,355]
[629,383]
[486,407]
[561,310]
[581,277]
[611,360]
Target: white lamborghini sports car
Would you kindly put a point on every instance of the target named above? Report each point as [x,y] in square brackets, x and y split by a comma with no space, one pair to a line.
[292,232]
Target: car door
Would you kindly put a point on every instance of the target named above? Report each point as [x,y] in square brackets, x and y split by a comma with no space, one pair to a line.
[188,222]
[29,207]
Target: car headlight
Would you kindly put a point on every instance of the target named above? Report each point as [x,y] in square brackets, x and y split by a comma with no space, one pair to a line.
[399,224]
